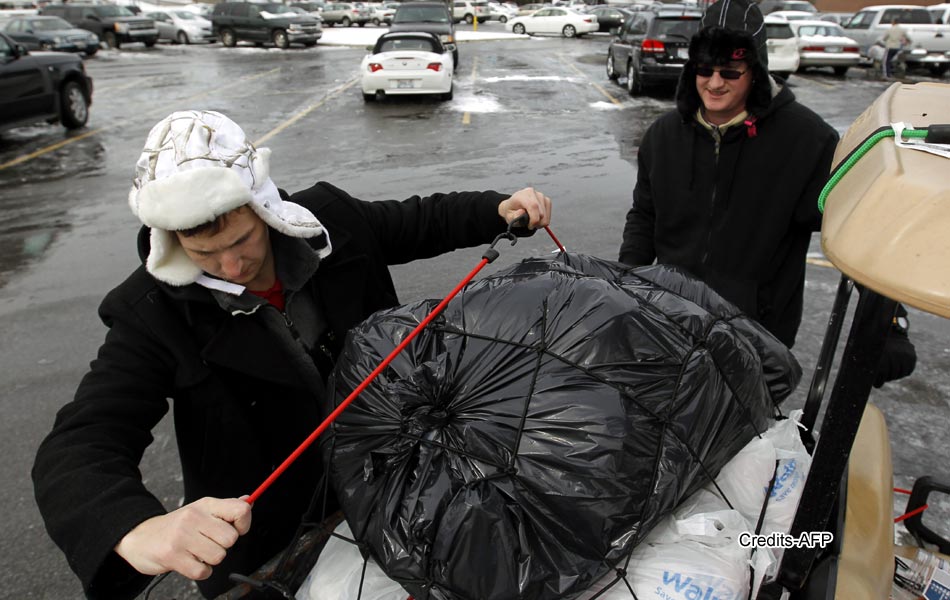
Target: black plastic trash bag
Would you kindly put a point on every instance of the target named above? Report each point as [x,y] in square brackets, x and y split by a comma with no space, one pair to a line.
[538,429]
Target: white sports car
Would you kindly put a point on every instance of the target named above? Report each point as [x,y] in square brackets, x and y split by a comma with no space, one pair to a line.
[407,62]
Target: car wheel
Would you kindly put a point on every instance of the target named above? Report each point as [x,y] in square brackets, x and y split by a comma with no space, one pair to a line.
[503,19]
[612,73]
[280,39]
[469,19]
[634,85]
[149,43]
[345,21]
[228,39]
[449,94]
[74,108]
[92,51]
[183,38]
[376,22]
[840,71]
[518,28]
[368,97]
[309,44]
[109,38]
[569,31]
[455,60]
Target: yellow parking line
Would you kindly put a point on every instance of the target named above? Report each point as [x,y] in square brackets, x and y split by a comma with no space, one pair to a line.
[53,147]
[596,85]
[116,88]
[820,82]
[48,149]
[466,117]
[305,112]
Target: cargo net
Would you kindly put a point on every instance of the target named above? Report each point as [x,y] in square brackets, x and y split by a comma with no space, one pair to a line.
[567,428]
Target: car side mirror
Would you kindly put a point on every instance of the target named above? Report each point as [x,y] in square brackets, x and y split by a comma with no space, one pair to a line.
[20,50]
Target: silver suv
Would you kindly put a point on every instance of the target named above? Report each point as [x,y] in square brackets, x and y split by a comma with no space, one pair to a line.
[346,13]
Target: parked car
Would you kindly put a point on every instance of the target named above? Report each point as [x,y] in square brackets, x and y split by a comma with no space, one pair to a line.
[407,63]
[769,6]
[51,33]
[824,44]
[563,21]
[42,87]
[836,17]
[782,46]
[345,14]
[652,47]
[430,17]
[311,8]
[610,18]
[469,10]
[792,15]
[181,26]
[115,25]
[501,12]
[271,22]
[929,42]
[382,14]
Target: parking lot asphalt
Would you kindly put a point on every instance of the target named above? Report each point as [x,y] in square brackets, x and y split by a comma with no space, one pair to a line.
[527,111]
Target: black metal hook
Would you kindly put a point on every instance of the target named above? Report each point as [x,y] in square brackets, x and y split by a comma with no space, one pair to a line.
[491,254]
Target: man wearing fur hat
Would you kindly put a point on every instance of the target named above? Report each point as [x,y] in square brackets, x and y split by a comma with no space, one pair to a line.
[728,183]
[237,314]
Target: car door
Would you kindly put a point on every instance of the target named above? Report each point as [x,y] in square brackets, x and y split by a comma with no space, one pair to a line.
[18,30]
[859,29]
[629,44]
[24,88]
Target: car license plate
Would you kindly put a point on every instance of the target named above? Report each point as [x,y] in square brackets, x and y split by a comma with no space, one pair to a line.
[682,53]
[405,84]
[80,44]
[832,49]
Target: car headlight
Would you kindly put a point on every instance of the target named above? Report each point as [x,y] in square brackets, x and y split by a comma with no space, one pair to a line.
[121,27]
[57,40]
[446,38]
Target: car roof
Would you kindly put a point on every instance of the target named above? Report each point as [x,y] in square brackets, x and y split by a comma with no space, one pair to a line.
[408,34]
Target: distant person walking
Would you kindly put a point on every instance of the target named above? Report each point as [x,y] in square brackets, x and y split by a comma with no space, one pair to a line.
[894,41]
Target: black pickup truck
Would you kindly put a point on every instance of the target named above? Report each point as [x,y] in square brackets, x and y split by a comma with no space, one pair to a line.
[115,25]
[42,87]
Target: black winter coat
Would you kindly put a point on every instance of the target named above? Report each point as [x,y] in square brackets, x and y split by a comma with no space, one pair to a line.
[740,221]
[240,408]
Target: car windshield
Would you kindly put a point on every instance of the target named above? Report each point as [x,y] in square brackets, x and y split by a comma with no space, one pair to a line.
[51,24]
[421,14]
[418,44]
[778,31]
[108,10]
[677,28]
[185,15]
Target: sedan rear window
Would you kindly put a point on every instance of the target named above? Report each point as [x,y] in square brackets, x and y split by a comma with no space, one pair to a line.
[421,14]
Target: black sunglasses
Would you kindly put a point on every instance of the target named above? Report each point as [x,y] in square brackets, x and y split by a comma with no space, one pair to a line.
[707,71]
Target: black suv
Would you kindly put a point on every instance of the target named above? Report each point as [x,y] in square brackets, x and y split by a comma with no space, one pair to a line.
[113,24]
[272,22]
[652,47]
[430,17]
[42,87]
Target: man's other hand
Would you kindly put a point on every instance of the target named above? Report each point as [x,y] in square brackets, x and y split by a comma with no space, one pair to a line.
[189,541]
[530,201]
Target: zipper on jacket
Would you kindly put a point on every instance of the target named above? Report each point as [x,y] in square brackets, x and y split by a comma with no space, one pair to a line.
[717,137]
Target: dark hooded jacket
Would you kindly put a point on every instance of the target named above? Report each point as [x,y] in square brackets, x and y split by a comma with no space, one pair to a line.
[245,391]
[737,212]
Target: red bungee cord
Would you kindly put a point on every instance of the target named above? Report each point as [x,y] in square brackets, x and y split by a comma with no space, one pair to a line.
[489,256]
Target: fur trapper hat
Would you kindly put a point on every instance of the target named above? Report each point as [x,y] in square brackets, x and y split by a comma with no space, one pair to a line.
[731,30]
[196,166]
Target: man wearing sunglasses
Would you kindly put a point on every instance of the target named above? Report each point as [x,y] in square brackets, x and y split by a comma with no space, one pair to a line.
[728,183]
